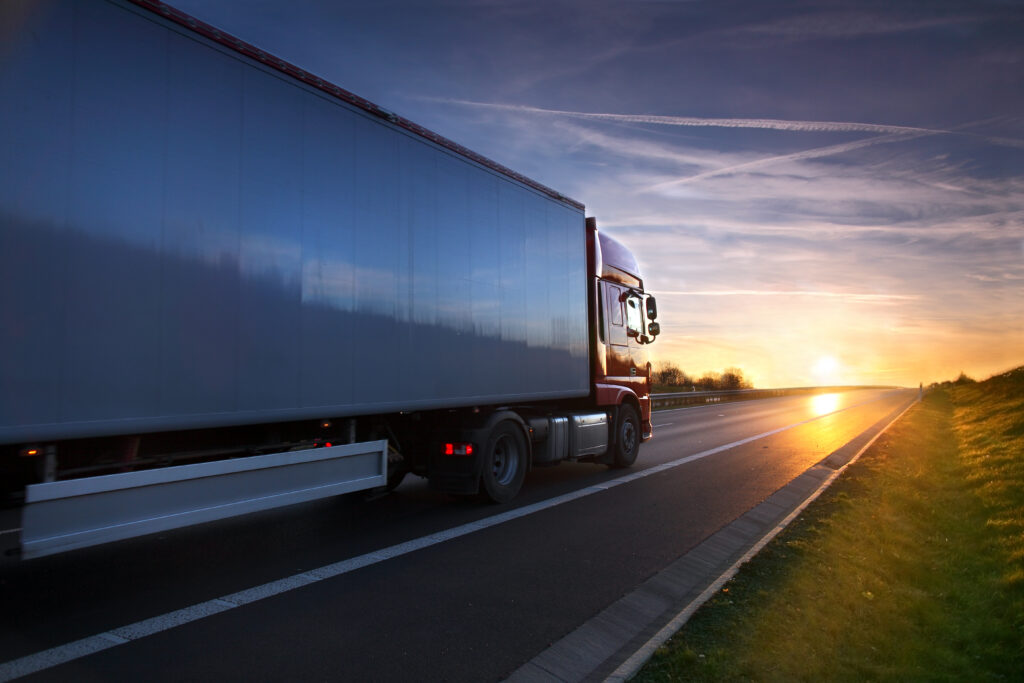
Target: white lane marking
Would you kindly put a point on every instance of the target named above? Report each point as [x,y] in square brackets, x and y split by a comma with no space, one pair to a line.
[62,654]
[10,531]
[696,407]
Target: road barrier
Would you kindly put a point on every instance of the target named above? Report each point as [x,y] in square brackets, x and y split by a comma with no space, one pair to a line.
[689,398]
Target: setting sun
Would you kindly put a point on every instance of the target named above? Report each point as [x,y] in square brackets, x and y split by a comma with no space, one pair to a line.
[826,370]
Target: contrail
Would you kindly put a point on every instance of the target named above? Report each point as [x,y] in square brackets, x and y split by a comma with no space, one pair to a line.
[904,135]
[795,156]
[885,133]
[772,124]
[769,292]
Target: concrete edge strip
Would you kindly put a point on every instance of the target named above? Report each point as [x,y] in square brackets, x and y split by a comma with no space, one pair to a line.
[631,666]
[61,654]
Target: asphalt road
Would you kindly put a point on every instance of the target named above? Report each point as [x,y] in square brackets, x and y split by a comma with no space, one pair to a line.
[471,608]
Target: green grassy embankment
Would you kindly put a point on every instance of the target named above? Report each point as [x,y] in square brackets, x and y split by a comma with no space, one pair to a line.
[910,567]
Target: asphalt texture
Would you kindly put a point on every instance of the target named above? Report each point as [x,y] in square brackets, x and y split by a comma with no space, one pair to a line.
[470,609]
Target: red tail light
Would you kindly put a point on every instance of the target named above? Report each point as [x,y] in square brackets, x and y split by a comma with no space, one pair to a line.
[458,448]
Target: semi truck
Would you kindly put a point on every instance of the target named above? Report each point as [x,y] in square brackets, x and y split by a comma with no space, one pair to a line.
[228,284]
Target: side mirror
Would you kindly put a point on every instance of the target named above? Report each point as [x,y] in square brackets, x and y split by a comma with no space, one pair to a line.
[652,309]
[654,329]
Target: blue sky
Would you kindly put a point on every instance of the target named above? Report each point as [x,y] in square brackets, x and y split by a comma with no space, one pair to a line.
[801,180]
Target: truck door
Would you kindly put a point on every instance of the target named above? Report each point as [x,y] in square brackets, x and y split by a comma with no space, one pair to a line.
[635,332]
[618,341]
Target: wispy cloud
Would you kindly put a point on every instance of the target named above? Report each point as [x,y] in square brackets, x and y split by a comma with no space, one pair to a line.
[851,24]
[1001,141]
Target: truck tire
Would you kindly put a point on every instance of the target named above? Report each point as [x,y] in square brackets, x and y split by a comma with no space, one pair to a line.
[396,473]
[626,442]
[504,462]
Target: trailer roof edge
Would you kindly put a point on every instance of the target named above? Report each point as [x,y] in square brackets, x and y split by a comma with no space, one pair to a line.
[240,46]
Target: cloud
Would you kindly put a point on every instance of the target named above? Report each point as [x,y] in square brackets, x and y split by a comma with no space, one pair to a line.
[850,24]
[1001,141]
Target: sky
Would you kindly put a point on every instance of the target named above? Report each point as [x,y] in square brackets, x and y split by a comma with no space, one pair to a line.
[819,192]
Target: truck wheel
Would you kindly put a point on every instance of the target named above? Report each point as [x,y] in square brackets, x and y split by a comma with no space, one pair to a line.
[398,467]
[504,462]
[627,437]
[396,473]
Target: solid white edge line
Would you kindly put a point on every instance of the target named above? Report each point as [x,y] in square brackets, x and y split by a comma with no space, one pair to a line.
[631,666]
[62,654]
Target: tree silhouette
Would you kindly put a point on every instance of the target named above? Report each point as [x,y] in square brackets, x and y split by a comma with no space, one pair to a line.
[669,377]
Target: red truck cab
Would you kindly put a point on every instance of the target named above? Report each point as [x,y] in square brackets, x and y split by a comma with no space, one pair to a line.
[622,325]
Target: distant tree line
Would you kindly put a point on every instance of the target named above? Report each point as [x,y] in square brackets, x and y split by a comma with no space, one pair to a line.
[667,376]
[959,381]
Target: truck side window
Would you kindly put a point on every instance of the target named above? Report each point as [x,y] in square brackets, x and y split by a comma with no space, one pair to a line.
[614,306]
[634,320]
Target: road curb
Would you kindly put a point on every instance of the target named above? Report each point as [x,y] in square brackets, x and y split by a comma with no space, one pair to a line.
[617,642]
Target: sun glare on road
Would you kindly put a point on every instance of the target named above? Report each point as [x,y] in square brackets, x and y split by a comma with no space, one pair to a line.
[823,404]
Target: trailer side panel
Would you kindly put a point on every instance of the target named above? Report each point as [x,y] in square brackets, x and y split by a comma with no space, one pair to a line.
[190,239]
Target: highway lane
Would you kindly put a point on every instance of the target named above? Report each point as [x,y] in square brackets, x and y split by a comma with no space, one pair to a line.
[473,608]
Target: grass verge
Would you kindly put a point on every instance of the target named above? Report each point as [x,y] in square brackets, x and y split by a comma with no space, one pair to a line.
[911,566]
